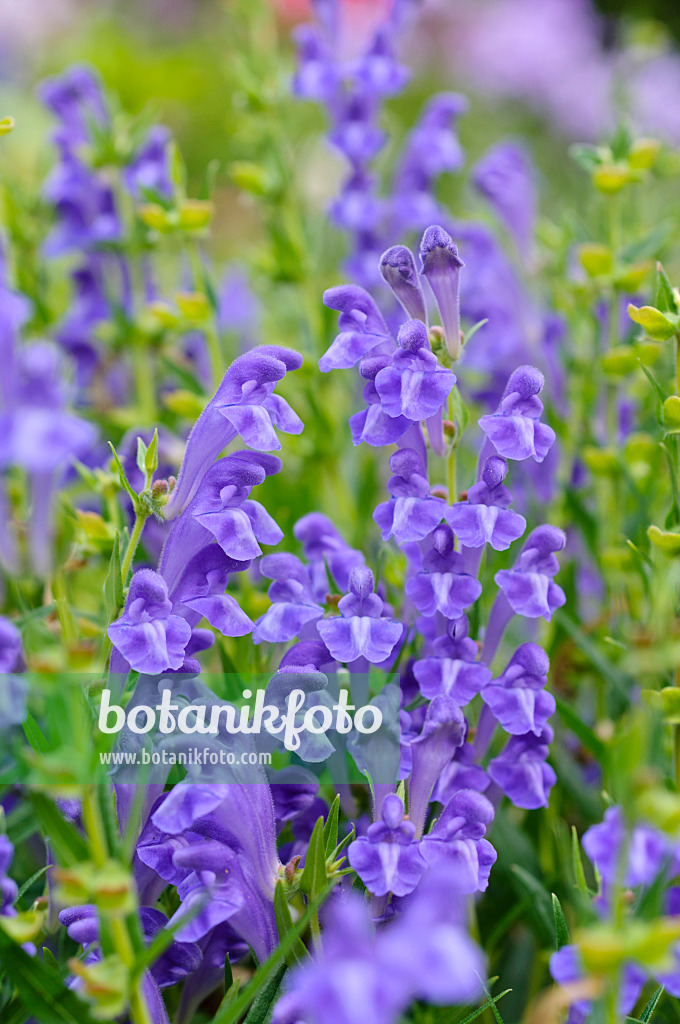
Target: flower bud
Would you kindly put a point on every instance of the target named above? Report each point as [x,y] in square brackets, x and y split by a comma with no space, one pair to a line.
[655,323]
[671,414]
[596,259]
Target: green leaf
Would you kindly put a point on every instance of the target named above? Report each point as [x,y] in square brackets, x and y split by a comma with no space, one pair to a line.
[231,1012]
[50,960]
[330,829]
[151,456]
[586,735]
[124,482]
[141,455]
[485,1006]
[41,991]
[113,584]
[561,928]
[284,924]
[579,873]
[313,879]
[35,736]
[541,903]
[228,974]
[664,292]
[460,412]
[587,157]
[34,878]
[263,1003]
[473,330]
[649,1009]
[67,843]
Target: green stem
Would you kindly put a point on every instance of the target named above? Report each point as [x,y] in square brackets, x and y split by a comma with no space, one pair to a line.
[210,329]
[142,364]
[141,515]
[451,458]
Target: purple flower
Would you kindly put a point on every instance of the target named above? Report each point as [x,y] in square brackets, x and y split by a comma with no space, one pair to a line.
[388,858]
[518,698]
[414,385]
[441,265]
[317,77]
[648,851]
[521,770]
[456,841]
[355,132]
[515,429]
[85,208]
[442,733]
[324,546]
[222,507]
[217,844]
[453,668]
[360,631]
[398,269]
[9,889]
[198,592]
[443,586]
[77,99]
[13,689]
[431,149]
[178,961]
[528,586]
[88,307]
[362,327]
[150,166]
[245,405]
[504,176]
[373,425]
[148,635]
[360,975]
[412,513]
[485,517]
[567,968]
[293,601]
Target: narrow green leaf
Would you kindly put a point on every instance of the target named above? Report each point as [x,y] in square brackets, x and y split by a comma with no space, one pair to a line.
[473,330]
[124,482]
[230,1012]
[228,974]
[313,879]
[561,928]
[34,878]
[330,829]
[35,736]
[141,455]
[151,457]
[40,989]
[579,873]
[541,903]
[50,960]
[586,735]
[284,924]
[485,1006]
[664,292]
[113,584]
[649,1009]
[263,1003]
[66,841]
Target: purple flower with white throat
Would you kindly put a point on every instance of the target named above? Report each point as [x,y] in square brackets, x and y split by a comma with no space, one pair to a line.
[414,385]
[360,631]
[515,429]
[148,635]
[441,265]
[412,512]
[362,328]
[443,585]
[456,841]
[485,517]
[199,592]
[528,586]
[518,697]
[520,770]
[388,858]
[452,668]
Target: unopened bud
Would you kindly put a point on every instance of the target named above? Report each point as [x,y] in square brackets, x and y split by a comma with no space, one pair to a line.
[160,488]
